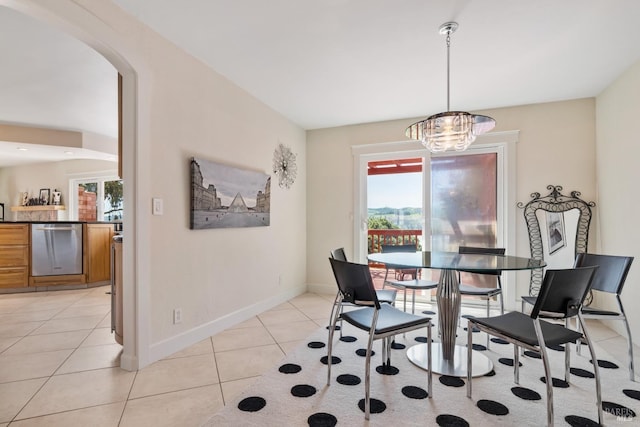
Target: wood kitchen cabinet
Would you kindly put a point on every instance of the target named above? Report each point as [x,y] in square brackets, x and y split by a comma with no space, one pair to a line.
[14,255]
[98,252]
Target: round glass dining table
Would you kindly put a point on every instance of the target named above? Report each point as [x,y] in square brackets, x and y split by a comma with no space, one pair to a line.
[447,357]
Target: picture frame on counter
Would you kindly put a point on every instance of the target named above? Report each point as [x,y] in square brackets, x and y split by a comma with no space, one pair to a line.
[45,194]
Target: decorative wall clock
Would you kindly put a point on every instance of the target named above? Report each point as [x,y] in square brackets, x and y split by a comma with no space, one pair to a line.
[284,166]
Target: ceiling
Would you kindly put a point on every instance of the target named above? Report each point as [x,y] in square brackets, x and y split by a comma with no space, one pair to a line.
[337,62]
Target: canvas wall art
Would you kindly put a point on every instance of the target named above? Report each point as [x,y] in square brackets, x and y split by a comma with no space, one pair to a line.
[224,196]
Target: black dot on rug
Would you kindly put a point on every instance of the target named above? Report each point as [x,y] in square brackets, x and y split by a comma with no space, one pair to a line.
[532,354]
[450,381]
[479,347]
[605,364]
[428,312]
[335,328]
[576,421]
[525,393]
[447,420]
[499,341]
[413,392]
[334,360]
[348,379]
[467,316]
[398,346]
[634,394]
[556,347]
[375,406]
[474,330]
[316,344]
[348,338]
[492,407]
[252,404]
[387,370]
[618,410]
[363,352]
[491,373]
[303,390]
[581,373]
[421,339]
[556,382]
[322,419]
[507,361]
[290,368]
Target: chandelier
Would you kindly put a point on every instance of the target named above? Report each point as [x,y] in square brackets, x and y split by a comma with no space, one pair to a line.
[451,130]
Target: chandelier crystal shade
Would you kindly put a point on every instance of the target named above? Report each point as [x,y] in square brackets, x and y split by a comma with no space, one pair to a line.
[451,130]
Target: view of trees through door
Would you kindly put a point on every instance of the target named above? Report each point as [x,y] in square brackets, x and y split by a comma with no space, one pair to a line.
[460,204]
[100,200]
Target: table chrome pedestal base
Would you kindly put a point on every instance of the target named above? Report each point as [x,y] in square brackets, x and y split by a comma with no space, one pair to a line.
[481,365]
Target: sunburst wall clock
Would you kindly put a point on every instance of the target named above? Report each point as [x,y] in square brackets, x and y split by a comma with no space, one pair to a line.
[284,166]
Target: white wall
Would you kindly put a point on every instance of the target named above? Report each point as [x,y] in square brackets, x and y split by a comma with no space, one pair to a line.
[52,175]
[556,146]
[618,151]
[175,108]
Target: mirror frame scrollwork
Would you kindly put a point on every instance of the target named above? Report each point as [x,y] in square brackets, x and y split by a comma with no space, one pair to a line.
[554,202]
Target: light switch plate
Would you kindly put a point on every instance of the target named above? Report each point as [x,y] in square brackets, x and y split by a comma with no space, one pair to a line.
[157,206]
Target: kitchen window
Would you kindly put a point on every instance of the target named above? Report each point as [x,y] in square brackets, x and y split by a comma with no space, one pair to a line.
[96,198]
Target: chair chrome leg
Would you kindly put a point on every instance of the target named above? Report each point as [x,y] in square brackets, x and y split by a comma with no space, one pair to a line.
[632,374]
[547,371]
[516,364]
[567,353]
[430,374]
[488,315]
[367,378]
[332,326]
[469,355]
[596,370]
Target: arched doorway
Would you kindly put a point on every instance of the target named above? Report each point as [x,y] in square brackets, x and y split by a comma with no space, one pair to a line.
[77,21]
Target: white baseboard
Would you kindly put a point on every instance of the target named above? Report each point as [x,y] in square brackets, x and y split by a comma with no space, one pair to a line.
[171,345]
[322,288]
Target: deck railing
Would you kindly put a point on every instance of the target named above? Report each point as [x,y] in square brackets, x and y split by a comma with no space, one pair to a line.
[377,238]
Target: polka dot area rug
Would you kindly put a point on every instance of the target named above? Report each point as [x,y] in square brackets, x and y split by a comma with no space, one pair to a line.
[295,393]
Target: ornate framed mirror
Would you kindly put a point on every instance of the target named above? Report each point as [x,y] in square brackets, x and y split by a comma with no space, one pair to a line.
[558,227]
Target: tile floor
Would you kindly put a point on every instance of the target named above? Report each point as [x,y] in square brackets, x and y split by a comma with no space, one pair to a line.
[59,362]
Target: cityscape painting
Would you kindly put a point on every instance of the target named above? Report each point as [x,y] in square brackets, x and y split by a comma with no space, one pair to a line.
[224,196]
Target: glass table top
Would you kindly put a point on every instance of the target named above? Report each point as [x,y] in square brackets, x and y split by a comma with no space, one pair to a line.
[455,261]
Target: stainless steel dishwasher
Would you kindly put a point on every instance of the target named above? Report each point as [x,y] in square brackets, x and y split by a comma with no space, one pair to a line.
[56,249]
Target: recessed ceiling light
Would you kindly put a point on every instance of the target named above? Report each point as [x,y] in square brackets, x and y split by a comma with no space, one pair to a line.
[22,149]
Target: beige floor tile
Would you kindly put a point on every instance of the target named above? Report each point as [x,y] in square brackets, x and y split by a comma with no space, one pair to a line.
[68,324]
[99,336]
[322,311]
[202,347]
[45,305]
[18,329]
[28,316]
[14,395]
[249,323]
[289,347]
[48,342]
[275,317]
[6,342]
[93,357]
[18,367]
[241,338]
[232,389]
[84,310]
[245,363]
[293,331]
[96,416]
[105,322]
[175,374]
[181,408]
[283,306]
[79,390]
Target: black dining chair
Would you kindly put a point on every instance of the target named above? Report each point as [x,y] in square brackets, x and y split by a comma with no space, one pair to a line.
[381,321]
[562,292]
[476,291]
[387,296]
[610,278]
[399,273]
